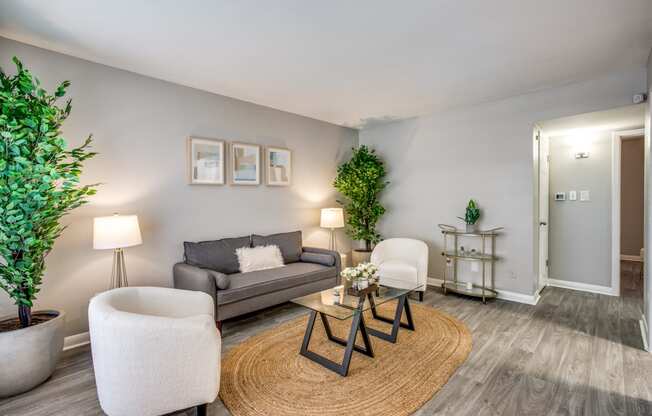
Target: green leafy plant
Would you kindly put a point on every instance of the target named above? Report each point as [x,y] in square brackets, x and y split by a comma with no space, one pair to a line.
[360,181]
[39,182]
[472,214]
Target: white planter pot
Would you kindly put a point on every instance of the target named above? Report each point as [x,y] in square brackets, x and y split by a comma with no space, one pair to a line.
[29,355]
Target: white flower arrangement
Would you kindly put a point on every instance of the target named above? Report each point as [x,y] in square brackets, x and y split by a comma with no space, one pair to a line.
[363,271]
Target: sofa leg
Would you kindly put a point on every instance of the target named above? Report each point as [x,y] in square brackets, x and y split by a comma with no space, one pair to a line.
[421,296]
[219,326]
[201,410]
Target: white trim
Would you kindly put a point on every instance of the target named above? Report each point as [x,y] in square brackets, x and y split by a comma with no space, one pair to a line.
[502,294]
[627,257]
[643,326]
[617,138]
[76,340]
[584,287]
[615,212]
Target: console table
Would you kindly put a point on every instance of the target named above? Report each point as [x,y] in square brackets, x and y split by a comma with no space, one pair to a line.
[487,258]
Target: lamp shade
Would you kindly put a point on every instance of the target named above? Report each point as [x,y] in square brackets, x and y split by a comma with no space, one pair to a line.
[332,218]
[116,231]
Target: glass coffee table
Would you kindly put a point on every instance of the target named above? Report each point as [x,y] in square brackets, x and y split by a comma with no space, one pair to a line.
[341,306]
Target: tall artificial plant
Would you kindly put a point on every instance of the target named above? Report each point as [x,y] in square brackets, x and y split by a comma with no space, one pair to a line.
[360,181]
[39,182]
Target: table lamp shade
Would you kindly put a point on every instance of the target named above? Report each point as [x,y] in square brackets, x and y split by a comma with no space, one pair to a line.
[116,231]
[332,218]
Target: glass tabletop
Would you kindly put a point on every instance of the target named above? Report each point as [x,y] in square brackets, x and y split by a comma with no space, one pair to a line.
[335,302]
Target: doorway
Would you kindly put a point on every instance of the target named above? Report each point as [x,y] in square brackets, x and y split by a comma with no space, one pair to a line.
[577,204]
[629,166]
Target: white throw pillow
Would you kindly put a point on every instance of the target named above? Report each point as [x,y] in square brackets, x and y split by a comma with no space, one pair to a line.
[259,258]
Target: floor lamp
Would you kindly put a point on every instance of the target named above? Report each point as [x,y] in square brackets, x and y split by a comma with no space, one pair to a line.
[332,218]
[116,232]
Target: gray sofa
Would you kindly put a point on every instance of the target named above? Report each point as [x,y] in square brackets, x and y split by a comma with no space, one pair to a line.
[212,267]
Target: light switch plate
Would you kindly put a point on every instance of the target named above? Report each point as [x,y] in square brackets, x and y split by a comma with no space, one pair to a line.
[585,196]
[572,195]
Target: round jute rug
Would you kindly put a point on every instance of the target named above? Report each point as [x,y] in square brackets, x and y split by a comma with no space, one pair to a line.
[265,375]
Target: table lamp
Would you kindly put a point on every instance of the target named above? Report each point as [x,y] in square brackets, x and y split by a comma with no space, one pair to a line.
[332,218]
[116,232]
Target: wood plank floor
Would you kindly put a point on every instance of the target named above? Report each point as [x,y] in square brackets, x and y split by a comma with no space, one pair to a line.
[574,353]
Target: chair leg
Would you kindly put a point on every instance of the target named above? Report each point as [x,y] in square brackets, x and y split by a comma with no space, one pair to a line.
[202,410]
[421,296]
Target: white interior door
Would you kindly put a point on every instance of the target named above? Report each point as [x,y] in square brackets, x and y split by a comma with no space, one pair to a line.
[544,191]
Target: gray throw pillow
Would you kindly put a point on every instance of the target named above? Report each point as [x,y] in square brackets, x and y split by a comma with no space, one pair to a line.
[289,243]
[222,281]
[318,258]
[218,255]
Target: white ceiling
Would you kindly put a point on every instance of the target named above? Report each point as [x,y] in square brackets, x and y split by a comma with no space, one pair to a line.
[352,62]
[622,118]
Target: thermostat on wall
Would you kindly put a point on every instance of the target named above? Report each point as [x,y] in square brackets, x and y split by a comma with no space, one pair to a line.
[560,196]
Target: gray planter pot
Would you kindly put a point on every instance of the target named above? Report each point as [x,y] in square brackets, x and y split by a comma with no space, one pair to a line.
[29,355]
[471,228]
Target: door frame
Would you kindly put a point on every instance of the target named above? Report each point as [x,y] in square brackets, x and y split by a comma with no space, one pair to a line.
[542,280]
[537,287]
[616,142]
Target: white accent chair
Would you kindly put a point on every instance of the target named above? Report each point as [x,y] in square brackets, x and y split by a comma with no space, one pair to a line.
[155,350]
[403,263]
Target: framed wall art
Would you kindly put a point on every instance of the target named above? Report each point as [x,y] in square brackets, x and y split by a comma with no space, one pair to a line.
[206,161]
[245,164]
[278,166]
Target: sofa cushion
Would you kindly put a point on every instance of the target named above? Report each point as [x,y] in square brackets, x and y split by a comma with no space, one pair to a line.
[218,255]
[222,281]
[289,243]
[318,258]
[247,285]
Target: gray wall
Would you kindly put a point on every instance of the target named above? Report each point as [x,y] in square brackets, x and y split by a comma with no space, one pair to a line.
[437,162]
[140,126]
[580,232]
[631,196]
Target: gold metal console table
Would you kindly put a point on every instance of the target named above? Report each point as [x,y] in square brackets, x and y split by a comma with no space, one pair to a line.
[453,255]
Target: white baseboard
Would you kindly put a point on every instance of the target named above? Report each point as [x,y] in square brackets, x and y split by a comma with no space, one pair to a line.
[77,340]
[628,257]
[584,287]
[502,294]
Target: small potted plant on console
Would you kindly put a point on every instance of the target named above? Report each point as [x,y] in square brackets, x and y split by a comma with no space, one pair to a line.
[471,217]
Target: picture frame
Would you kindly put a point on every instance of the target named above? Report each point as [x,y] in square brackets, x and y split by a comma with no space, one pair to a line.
[245,164]
[206,161]
[278,166]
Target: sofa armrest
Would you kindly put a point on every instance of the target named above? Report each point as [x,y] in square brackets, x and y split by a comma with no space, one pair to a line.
[189,277]
[335,254]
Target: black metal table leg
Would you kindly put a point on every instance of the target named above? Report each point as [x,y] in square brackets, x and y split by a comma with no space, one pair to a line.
[402,304]
[367,350]
[357,324]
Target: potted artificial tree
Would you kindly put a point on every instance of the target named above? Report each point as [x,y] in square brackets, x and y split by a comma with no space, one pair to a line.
[360,181]
[39,184]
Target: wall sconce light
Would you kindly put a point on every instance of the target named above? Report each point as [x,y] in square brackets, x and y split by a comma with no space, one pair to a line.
[582,155]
